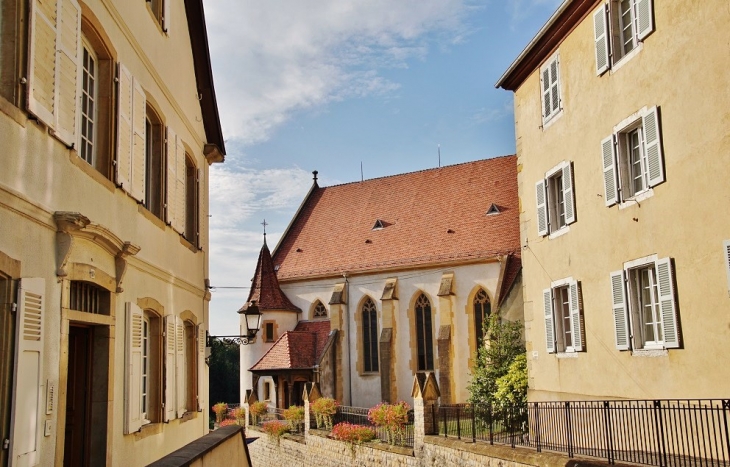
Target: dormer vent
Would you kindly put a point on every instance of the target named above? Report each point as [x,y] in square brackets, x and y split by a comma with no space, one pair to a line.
[493,210]
[378,224]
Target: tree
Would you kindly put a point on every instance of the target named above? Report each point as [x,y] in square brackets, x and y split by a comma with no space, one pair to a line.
[224,372]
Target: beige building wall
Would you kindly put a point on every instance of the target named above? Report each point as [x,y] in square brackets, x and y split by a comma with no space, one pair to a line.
[41,176]
[681,68]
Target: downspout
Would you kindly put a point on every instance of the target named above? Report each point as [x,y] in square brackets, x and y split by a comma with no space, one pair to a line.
[347,320]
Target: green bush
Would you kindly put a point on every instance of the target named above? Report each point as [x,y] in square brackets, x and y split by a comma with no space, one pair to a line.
[512,387]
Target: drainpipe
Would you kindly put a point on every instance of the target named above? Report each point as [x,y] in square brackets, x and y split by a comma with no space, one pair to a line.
[347,320]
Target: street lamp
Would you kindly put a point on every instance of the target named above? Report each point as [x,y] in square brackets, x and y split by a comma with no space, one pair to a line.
[252,315]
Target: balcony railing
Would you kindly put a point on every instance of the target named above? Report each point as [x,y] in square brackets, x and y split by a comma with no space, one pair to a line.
[665,433]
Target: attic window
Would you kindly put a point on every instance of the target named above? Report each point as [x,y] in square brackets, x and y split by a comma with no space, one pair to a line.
[493,210]
[276,268]
[378,225]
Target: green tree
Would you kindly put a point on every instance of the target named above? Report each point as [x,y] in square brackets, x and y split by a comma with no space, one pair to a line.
[503,345]
[224,372]
[512,387]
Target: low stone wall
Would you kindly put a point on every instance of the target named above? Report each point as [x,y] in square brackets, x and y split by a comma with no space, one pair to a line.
[225,446]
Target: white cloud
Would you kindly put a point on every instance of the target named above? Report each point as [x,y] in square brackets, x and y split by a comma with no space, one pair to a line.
[284,56]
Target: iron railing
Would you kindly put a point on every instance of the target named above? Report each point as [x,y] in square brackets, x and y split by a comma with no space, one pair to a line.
[359,416]
[665,433]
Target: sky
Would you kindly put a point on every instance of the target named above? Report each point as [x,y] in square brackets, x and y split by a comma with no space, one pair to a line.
[336,85]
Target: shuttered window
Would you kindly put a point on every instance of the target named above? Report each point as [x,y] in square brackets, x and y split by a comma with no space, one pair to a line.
[369,315]
[424,333]
[555,199]
[155,163]
[89,102]
[619,26]
[563,323]
[550,88]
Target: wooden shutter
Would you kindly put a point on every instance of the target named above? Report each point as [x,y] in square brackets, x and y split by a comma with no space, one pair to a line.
[542,216]
[125,143]
[171,180]
[667,303]
[170,388]
[646,18]
[166,17]
[180,367]
[600,34]
[568,194]
[608,156]
[620,312]
[546,100]
[133,344]
[577,330]
[139,153]
[653,147]
[28,381]
[42,65]
[201,367]
[180,194]
[547,298]
[68,70]
[726,254]
[555,84]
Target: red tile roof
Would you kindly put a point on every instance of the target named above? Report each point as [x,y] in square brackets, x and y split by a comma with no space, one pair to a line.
[514,266]
[431,216]
[265,287]
[297,349]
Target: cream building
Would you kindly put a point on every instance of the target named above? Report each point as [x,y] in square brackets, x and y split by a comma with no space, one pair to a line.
[108,123]
[621,116]
[402,271]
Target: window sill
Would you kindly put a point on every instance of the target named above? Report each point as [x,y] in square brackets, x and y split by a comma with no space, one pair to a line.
[148,430]
[187,416]
[151,216]
[651,353]
[184,242]
[551,120]
[369,373]
[559,233]
[89,170]
[567,354]
[626,58]
[646,194]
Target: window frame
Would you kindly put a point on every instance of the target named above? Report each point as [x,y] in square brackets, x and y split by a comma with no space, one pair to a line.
[369,321]
[483,316]
[85,140]
[424,333]
[609,35]
[555,320]
[155,162]
[192,180]
[316,309]
[552,90]
[548,195]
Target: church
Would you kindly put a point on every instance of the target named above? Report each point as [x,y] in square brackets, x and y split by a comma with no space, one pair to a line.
[377,280]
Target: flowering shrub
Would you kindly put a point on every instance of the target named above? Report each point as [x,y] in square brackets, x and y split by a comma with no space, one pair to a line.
[353,434]
[239,414]
[220,410]
[392,417]
[295,415]
[324,408]
[227,422]
[275,428]
[258,409]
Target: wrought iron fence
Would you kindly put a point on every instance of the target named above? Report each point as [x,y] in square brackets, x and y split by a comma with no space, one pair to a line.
[359,416]
[666,433]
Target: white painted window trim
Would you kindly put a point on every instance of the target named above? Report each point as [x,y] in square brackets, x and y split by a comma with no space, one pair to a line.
[633,120]
[618,64]
[567,352]
[566,228]
[559,233]
[633,264]
[646,348]
[548,120]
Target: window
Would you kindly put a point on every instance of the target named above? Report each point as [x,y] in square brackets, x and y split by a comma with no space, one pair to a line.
[145,367]
[632,158]
[550,88]
[143,364]
[269,331]
[267,391]
[160,10]
[619,27]
[563,327]
[644,305]
[482,311]
[191,368]
[89,99]
[555,200]
[154,163]
[191,201]
[370,336]
[319,310]
[89,298]
[424,334]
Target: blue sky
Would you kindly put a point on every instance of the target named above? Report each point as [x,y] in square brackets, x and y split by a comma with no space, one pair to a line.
[327,85]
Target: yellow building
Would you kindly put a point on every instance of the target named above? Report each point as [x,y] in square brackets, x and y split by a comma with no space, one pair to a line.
[621,115]
[108,124]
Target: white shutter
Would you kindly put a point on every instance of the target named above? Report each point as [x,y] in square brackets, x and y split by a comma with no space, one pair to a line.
[28,378]
[546,100]
[41,86]
[726,253]
[547,297]
[600,32]
[139,153]
[181,367]
[133,344]
[542,216]
[125,89]
[620,314]
[577,330]
[68,70]
[202,373]
[170,389]
[609,171]
[667,304]
[171,179]
[555,84]
[166,18]
[180,195]
[653,147]
[568,194]
[646,18]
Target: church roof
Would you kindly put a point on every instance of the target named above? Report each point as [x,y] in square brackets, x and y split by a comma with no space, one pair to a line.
[265,287]
[298,349]
[415,219]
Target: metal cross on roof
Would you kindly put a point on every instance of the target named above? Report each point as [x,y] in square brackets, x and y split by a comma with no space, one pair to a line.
[264,223]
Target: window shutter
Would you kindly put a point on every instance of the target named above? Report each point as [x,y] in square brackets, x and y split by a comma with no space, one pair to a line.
[202,373]
[170,389]
[42,65]
[28,378]
[546,100]
[180,194]
[575,316]
[181,367]
[568,194]
[547,296]
[646,18]
[609,171]
[139,152]
[600,31]
[133,361]
[653,147]
[726,252]
[620,315]
[171,180]
[667,304]
[542,219]
[124,128]
[68,70]
[555,84]
[166,17]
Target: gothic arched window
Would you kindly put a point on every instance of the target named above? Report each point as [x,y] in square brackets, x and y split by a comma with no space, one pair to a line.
[370,335]
[319,310]
[482,310]
[424,334]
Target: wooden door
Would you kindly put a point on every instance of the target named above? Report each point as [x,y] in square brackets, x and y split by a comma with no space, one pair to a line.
[78,397]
